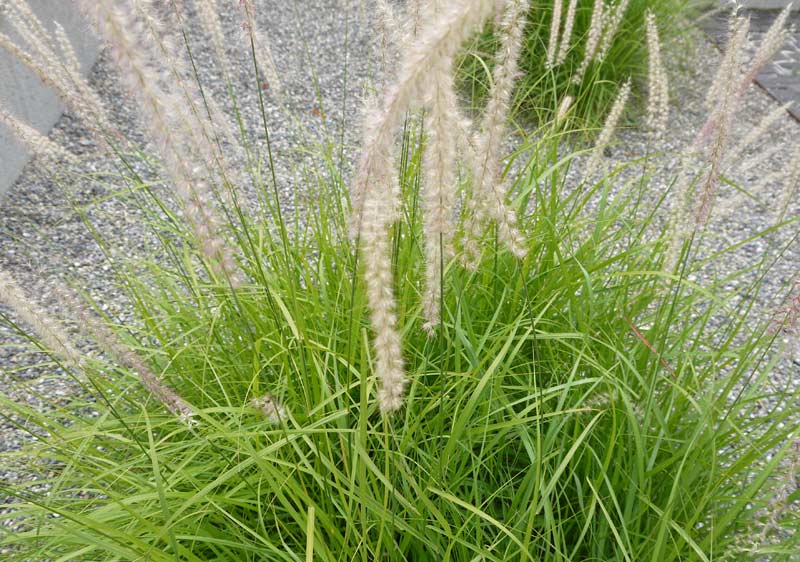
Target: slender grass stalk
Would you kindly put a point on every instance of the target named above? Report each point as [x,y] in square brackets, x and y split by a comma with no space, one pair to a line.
[52,335]
[164,115]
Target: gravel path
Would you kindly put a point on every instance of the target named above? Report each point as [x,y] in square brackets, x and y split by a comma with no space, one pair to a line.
[42,241]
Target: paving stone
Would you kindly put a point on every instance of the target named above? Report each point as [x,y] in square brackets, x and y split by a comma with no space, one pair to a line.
[781,79]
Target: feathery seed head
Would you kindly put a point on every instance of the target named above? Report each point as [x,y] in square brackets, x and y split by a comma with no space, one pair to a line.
[35,142]
[563,108]
[771,43]
[593,38]
[731,59]
[725,96]
[489,192]
[57,72]
[257,45]
[791,184]
[391,30]
[439,167]
[54,338]
[757,133]
[607,132]
[208,12]
[268,405]
[658,90]
[68,54]
[612,19]
[555,25]
[566,37]
[376,195]
[172,122]
[110,343]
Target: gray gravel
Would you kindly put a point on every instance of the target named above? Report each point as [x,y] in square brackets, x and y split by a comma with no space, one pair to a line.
[43,242]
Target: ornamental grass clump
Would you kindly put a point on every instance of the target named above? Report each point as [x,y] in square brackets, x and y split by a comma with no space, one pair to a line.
[582,50]
[450,349]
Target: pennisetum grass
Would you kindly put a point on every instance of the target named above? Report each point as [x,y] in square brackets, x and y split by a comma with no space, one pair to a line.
[42,59]
[595,35]
[585,390]
[583,49]
[376,195]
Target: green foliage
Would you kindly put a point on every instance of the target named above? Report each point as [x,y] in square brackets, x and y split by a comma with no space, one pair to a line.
[540,89]
[579,405]
[582,404]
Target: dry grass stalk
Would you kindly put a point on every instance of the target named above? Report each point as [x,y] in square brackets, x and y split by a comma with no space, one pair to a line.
[723,88]
[392,35]
[209,124]
[257,45]
[602,30]
[756,133]
[747,165]
[268,405]
[731,58]
[612,19]
[771,43]
[791,185]
[59,72]
[592,39]
[729,81]
[29,27]
[716,132]
[439,161]
[53,338]
[208,12]
[712,141]
[110,343]
[389,23]
[68,54]
[728,89]
[563,108]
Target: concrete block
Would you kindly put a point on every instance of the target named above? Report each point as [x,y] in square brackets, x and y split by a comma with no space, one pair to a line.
[770,4]
[21,91]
